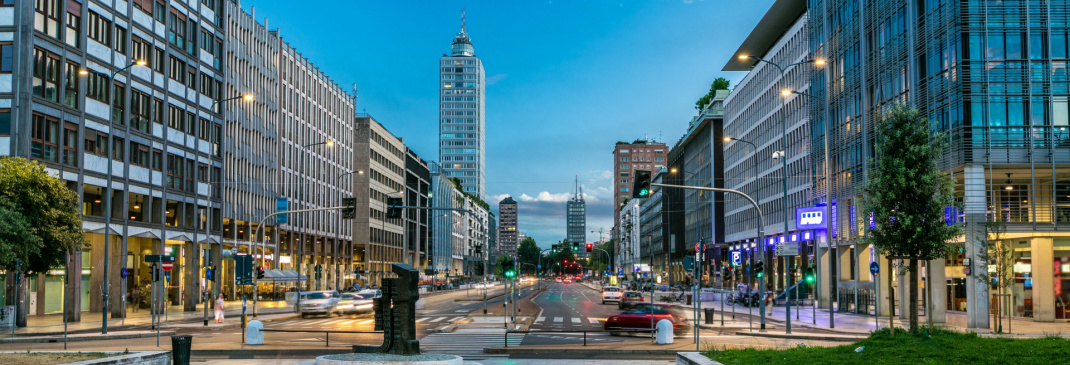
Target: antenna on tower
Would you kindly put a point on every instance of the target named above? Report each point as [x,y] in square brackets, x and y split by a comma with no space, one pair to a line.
[463,31]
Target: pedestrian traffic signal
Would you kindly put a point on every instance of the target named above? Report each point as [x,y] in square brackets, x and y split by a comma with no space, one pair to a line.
[641,186]
[589,247]
[392,207]
[759,269]
[809,274]
[350,210]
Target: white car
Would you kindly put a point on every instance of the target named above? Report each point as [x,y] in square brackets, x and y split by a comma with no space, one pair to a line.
[319,302]
[351,303]
[610,294]
[371,293]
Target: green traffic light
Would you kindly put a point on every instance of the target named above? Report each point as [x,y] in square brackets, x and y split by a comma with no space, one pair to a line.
[644,192]
[761,274]
[510,273]
[809,279]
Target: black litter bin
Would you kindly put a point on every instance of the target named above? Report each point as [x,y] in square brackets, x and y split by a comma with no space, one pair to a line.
[709,315]
[180,346]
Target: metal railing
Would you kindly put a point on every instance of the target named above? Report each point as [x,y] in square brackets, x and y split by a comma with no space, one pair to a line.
[584,332]
[327,333]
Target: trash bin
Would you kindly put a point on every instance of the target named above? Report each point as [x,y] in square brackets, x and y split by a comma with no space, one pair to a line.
[689,298]
[709,315]
[180,346]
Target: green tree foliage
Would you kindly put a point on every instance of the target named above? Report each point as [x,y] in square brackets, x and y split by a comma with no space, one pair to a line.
[599,260]
[908,195]
[719,84]
[561,256]
[528,253]
[504,262]
[38,220]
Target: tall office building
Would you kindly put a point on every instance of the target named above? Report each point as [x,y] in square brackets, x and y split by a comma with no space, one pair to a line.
[577,217]
[628,157]
[461,110]
[507,226]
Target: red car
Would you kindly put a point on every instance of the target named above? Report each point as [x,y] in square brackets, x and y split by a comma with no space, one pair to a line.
[638,318]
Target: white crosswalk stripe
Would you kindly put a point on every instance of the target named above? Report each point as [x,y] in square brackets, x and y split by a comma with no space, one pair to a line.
[468,345]
[417,321]
[366,322]
[575,321]
[558,319]
[455,319]
[437,319]
[540,319]
[593,321]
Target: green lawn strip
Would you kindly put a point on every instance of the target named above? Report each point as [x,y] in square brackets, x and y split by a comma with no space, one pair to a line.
[943,347]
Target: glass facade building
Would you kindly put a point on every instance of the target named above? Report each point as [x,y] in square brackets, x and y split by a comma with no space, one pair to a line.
[462,123]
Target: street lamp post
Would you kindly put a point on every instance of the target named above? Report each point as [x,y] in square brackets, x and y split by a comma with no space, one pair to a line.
[784,164]
[208,215]
[108,197]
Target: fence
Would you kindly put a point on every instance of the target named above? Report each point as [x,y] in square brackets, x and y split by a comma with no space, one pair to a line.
[505,339]
[327,333]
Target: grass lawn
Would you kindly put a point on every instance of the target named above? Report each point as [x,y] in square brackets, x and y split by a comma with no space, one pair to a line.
[943,347]
[48,358]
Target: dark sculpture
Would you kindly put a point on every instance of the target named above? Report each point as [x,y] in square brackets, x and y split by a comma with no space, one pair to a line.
[395,314]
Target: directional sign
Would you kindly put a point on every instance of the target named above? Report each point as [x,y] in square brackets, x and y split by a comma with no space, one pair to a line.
[874,268]
[787,249]
[167,266]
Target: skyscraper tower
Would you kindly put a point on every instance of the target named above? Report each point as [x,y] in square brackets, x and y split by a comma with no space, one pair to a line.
[461,110]
[577,218]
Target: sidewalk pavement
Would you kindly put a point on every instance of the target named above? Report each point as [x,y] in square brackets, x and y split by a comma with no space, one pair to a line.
[53,324]
[858,324]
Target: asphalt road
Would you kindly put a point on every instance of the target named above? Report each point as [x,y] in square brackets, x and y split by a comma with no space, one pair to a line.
[574,307]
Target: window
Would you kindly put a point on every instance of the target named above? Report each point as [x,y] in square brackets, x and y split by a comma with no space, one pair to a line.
[158,60]
[5,122]
[191,41]
[217,135]
[144,5]
[99,29]
[46,17]
[142,50]
[177,70]
[97,87]
[624,167]
[7,52]
[139,155]
[176,33]
[204,130]
[191,78]
[119,104]
[117,145]
[176,118]
[157,111]
[46,75]
[140,109]
[191,123]
[120,40]
[207,41]
[159,11]
[202,173]
[44,137]
[95,142]
[157,159]
[70,144]
[74,24]
[70,85]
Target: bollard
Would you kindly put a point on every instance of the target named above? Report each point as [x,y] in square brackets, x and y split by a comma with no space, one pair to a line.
[180,347]
[709,315]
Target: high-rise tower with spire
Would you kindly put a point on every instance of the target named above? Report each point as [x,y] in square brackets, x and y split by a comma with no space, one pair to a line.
[577,217]
[461,111]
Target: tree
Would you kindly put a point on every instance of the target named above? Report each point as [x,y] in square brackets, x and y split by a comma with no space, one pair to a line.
[719,84]
[39,225]
[998,254]
[907,195]
[528,253]
[599,261]
[504,262]
[562,255]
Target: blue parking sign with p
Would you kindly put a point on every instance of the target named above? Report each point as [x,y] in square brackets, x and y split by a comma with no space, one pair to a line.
[737,257]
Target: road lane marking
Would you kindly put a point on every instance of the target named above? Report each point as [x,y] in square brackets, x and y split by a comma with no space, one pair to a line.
[558,319]
[346,322]
[461,311]
[366,322]
[540,319]
[575,320]
[593,320]
[455,319]
[423,319]
[437,319]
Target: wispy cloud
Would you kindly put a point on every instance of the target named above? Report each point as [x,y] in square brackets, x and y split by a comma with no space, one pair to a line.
[496,78]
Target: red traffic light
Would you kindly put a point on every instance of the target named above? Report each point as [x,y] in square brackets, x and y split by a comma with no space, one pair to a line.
[589,247]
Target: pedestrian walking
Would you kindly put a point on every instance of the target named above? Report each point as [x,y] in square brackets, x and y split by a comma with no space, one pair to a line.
[219,308]
[769,303]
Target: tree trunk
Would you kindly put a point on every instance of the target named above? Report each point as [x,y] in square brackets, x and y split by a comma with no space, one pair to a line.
[914,295]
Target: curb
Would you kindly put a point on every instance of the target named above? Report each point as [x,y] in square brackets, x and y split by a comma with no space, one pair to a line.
[53,339]
[272,353]
[802,337]
[537,351]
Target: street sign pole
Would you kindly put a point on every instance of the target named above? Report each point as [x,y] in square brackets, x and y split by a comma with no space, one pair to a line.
[875,269]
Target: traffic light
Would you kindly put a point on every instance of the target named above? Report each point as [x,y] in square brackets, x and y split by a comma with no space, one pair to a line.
[759,269]
[553,248]
[727,273]
[350,210]
[479,269]
[259,272]
[589,247]
[391,207]
[641,186]
[809,275]
[575,247]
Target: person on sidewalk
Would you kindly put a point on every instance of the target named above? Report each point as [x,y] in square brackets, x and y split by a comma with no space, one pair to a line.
[769,303]
[219,308]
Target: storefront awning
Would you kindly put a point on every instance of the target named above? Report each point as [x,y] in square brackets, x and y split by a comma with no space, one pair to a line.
[283,276]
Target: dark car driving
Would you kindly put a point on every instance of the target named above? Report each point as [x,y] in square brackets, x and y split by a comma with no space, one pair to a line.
[630,299]
[638,318]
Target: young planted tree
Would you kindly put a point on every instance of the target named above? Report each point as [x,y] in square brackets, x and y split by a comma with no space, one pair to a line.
[39,225]
[907,195]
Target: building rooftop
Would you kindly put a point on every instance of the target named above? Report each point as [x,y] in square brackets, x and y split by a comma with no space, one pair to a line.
[773,25]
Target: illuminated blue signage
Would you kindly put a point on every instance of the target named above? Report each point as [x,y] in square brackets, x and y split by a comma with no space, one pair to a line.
[810,218]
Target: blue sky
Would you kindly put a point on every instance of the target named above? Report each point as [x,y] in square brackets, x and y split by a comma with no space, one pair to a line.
[566,80]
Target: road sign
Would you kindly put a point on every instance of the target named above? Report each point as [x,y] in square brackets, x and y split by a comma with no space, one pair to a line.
[787,249]
[159,258]
[281,205]
[698,247]
[122,273]
[874,268]
[737,257]
[166,266]
[539,266]
[243,303]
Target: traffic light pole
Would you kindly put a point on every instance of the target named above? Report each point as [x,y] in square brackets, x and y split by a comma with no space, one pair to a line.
[761,232]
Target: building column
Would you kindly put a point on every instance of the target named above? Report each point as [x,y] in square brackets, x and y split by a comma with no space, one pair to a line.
[938,290]
[191,276]
[977,316]
[116,296]
[884,283]
[216,256]
[827,277]
[1043,279]
[73,289]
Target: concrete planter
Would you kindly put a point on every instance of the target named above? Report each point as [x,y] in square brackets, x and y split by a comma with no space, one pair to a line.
[693,358]
[135,357]
[385,359]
